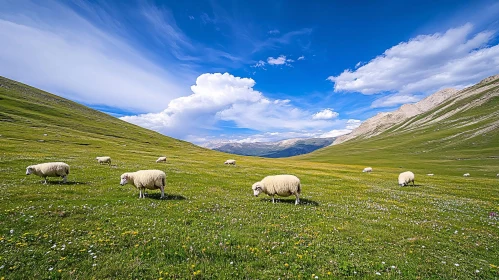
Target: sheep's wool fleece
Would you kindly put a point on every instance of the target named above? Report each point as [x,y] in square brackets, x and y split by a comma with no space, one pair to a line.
[51,169]
[406,177]
[282,185]
[150,179]
[103,159]
[161,159]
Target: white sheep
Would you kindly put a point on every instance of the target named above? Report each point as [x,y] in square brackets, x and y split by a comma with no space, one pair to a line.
[497,175]
[49,169]
[405,178]
[368,169]
[430,174]
[142,179]
[230,162]
[102,160]
[161,159]
[282,185]
[466,174]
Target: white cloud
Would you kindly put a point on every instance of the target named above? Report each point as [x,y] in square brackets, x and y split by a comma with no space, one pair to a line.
[225,98]
[51,47]
[336,133]
[358,64]
[281,60]
[274,31]
[394,100]
[259,64]
[353,123]
[425,64]
[192,18]
[325,114]
[301,57]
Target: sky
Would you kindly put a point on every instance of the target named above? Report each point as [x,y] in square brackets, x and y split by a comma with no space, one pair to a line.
[247,71]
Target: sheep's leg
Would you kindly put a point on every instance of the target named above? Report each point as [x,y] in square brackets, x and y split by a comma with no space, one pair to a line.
[413,184]
[45,182]
[64,179]
[273,201]
[297,199]
[140,192]
[162,192]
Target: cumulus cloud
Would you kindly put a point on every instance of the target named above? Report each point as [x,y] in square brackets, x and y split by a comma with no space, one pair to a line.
[325,114]
[301,57]
[281,60]
[51,47]
[425,64]
[231,100]
[336,133]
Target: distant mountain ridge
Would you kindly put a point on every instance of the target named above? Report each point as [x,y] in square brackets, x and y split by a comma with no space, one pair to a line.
[383,121]
[284,148]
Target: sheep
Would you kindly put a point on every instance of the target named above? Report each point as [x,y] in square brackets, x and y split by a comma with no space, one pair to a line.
[405,178]
[102,160]
[430,174]
[49,169]
[161,159]
[230,162]
[368,169]
[466,174]
[142,179]
[497,175]
[282,185]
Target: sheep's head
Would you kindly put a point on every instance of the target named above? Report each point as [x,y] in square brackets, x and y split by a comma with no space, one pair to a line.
[29,170]
[257,188]
[124,179]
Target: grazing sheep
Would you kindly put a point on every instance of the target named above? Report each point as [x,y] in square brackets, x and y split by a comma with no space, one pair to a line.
[102,160]
[497,175]
[368,169]
[430,174]
[161,159]
[466,174]
[405,178]
[282,185]
[230,162]
[142,179]
[49,169]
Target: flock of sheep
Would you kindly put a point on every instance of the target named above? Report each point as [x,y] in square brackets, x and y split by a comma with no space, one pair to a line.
[281,185]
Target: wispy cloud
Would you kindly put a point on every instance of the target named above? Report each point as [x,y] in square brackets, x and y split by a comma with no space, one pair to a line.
[301,57]
[274,31]
[60,51]
[278,41]
[259,64]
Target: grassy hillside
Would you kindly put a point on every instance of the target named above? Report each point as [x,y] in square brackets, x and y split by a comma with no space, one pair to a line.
[465,141]
[210,226]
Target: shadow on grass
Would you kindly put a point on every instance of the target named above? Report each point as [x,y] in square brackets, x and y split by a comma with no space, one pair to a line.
[67,183]
[167,196]
[303,201]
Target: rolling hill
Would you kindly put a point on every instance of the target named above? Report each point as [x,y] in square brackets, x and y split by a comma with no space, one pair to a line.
[458,135]
[285,148]
[349,225]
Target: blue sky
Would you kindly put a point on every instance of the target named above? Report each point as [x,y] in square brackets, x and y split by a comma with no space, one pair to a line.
[244,71]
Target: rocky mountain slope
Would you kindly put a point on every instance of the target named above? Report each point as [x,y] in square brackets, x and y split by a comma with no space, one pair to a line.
[285,148]
[460,132]
[383,121]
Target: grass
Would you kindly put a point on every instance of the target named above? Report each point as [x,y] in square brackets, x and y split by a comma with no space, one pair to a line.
[349,224]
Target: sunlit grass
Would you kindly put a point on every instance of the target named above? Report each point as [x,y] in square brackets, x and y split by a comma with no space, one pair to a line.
[349,224]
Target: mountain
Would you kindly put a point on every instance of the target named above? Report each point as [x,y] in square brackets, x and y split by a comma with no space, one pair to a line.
[448,129]
[383,121]
[285,148]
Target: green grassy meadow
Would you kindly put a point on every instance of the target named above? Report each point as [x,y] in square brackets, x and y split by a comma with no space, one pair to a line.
[349,224]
